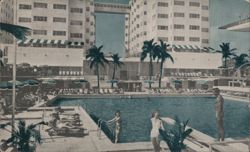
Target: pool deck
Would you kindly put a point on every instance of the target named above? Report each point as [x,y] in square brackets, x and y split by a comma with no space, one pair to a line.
[95,142]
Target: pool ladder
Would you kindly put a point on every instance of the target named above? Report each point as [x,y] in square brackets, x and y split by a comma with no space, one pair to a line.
[99,129]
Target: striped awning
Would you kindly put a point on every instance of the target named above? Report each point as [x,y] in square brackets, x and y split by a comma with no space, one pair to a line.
[26,41]
[54,42]
[188,47]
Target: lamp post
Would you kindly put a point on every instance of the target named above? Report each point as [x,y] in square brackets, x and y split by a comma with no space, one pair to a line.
[14,79]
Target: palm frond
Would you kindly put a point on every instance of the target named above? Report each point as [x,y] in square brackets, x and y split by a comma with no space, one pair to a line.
[19,32]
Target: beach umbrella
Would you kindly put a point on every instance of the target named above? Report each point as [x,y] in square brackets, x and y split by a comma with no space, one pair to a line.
[49,82]
[177,81]
[18,83]
[31,82]
[80,81]
[5,85]
[112,81]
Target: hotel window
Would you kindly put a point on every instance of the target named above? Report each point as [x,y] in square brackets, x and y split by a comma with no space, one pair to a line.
[24,19]
[145,23]
[24,6]
[87,9]
[75,22]
[76,35]
[181,3]
[40,18]
[194,27]
[194,15]
[204,18]
[162,27]
[87,30]
[205,41]
[194,39]
[195,4]
[76,10]
[40,5]
[205,30]
[39,32]
[87,41]
[59,6]
[162,15]
[179,38]
[176,14]
[59,19]
[162,4]
[179,26]
[163,39]
[145,12]
[145,2]
[204,7]
[59,33]
[145,33]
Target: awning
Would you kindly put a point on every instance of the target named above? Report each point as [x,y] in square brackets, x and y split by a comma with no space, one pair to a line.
[62,42]
[48,41]
[41,41]
[56,42]
[34,41]
[19,41]
[26,41]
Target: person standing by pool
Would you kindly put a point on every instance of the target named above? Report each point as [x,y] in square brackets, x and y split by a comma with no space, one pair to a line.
[219,114]
[117,120]
[156,125]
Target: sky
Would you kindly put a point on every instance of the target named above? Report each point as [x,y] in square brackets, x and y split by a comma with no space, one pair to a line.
[110,27]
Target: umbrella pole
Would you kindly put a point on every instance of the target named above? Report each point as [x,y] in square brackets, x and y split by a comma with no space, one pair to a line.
[14,91]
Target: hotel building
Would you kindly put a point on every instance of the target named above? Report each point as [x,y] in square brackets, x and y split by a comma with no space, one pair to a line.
[182,23]
[58,21]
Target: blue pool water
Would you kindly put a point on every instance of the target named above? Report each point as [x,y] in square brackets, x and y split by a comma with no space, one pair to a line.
[136,114]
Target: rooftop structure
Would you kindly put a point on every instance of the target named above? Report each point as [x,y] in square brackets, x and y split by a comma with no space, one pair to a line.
[242,25]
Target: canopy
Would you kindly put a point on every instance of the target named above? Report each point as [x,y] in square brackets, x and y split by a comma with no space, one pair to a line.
[31,82]
[49,81]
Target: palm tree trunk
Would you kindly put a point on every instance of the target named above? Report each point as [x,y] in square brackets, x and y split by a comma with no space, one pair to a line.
[150,71]
[98,77]
[113,77]
[161,68]
[225,62]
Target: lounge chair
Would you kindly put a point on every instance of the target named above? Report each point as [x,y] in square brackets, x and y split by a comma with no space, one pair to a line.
[111,91]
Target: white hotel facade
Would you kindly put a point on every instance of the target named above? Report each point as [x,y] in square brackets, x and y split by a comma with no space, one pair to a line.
[184,24]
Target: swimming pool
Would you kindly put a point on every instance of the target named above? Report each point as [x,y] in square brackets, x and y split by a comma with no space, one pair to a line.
[136,114]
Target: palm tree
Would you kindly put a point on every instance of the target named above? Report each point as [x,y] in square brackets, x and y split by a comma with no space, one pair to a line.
[162,55]
[96,58]
[240,60]
[175,136]
[226,52]
[23,136]
[149,48]
[19,32]
[116,63]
